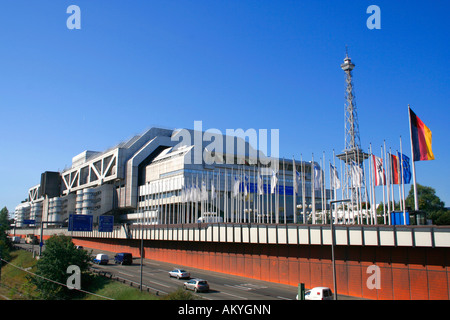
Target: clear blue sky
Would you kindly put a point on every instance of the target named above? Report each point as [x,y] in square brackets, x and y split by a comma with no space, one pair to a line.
[230,63]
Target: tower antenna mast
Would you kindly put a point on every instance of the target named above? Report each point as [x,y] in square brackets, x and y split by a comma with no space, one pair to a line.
[352,155]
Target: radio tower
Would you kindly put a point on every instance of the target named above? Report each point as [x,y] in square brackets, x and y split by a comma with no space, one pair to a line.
[352,155]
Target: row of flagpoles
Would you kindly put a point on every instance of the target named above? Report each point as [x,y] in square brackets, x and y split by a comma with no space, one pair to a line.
[251,194]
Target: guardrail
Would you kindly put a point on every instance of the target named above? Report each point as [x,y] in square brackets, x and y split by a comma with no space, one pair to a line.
[295,234]
[131,283]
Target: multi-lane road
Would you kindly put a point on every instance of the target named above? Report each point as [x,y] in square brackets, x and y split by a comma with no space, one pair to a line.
[155,276]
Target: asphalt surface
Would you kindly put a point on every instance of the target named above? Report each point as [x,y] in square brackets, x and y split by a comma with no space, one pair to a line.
[155,277]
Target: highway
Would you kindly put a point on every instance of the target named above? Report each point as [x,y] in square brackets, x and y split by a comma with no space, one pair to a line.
[155,277]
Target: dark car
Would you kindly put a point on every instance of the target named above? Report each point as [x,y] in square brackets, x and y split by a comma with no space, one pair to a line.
[123,258]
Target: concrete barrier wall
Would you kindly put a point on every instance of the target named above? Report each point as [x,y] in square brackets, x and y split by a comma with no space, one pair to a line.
[405,273]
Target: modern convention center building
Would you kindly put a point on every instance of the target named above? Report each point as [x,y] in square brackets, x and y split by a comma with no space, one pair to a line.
[182,176]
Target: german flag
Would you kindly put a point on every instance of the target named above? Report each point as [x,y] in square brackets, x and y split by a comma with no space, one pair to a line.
[395,169]
[420,139]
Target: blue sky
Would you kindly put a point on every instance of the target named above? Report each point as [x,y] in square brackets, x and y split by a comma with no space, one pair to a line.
[232,64]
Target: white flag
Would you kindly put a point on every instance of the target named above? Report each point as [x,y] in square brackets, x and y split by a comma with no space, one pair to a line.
[357,175]
[297,181]
[317,177]
[335,182]
[213,190]
[379,177]
[236,186]
[260,185]
[273,181]
[245,185]
[195,193]
[204,194]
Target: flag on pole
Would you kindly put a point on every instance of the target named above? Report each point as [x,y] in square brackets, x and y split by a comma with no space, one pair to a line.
[246,193]
[317,177]
[197,194]
[335,182]
[236,185]
[395,169]
[406,168]
[357,175]
[260,184]
[420,139]
[297,181]
[204,192]
[191,193]
[213,190]
[273,181]
[379,175]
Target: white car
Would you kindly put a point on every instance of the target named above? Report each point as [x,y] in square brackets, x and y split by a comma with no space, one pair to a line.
[319,293]
[179,274]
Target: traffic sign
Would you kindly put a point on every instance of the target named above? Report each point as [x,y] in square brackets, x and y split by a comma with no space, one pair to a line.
[80,222]
[105,223]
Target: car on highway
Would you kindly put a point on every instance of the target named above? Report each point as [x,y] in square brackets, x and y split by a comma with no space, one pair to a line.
[319,293]
[197,285]
[179,274]
[101,258]
[123,258]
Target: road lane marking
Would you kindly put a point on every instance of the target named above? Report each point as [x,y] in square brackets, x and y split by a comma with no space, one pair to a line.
[158,283]
[237,287]
[127,274]
[233,295]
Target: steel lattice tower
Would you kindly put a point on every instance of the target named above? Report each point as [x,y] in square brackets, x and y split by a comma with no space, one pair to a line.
[352,155]
[352,139]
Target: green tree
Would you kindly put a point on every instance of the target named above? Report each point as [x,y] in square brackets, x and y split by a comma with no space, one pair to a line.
[430,203]
[59,254]
[5,223]
[5,244]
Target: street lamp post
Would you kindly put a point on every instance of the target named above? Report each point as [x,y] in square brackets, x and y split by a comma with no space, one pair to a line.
[332,244]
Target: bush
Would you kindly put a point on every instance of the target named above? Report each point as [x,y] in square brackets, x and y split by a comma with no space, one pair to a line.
[180,294]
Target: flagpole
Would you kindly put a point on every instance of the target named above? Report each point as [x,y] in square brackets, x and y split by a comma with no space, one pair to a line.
[321,189]
[313,191]
[359,192]
[277,196]
[324,219]
[342,193]
[303,176]
[365,194]
[335,189]
[294,191]
[403,182]
[416,199]
[284,192]
[400,203]
[388,181]
[372,183]
[225,195]
[391,174]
